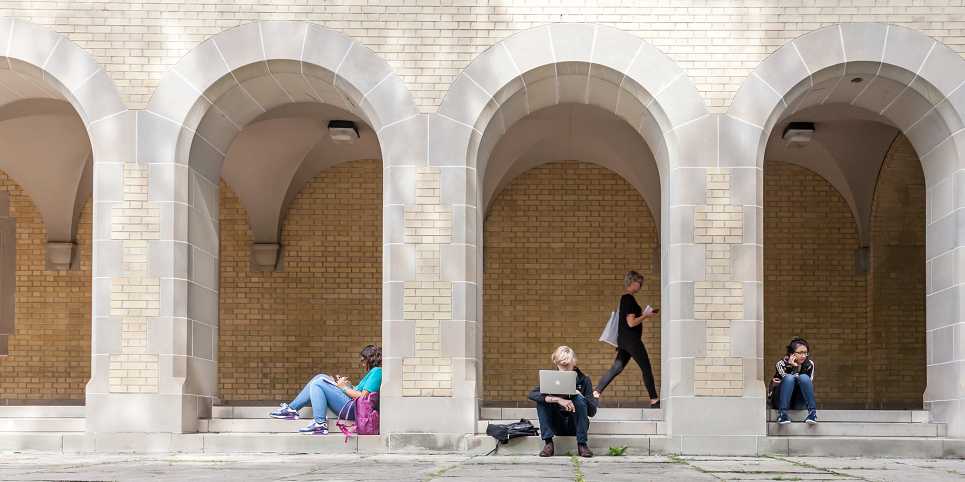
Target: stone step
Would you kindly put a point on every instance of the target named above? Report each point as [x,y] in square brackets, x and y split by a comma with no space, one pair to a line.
[256,425]
[279,443]
[905,447]
[614,414]
[598,427]
[49,424]
[42,411]
[286,443]
[600,445]
[870,416]
[859,429]
[256,411]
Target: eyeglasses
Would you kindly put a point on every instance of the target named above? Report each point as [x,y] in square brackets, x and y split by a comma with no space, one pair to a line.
[800,353]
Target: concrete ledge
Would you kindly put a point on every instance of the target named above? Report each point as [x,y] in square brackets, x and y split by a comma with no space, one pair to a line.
[748,445]
[636,445]
[257,411]
[865,446]
[296,443]
[867,416]
[604,414]
[953,448]
[27,441]
[848,429]
[42,411]
[598,427]
[42,424]
[427,442]
[259,425]
[293,443]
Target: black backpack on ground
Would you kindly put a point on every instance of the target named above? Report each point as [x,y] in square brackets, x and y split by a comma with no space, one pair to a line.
[503,433]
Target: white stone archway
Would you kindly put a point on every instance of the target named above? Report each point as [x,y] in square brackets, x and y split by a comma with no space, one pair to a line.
[52,70]
[183,134]
[916,84]
[582,64]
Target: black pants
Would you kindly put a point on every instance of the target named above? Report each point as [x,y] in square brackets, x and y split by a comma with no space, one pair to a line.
[639,355]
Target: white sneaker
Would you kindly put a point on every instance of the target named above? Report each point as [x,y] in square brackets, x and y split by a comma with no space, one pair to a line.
[315,428]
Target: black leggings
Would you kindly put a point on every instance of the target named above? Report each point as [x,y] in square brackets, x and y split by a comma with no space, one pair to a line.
[639,355]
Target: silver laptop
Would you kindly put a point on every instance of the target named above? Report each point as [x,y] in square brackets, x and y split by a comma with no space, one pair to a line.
[555,382]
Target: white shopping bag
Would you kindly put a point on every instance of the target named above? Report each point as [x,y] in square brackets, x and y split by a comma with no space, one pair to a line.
[611,329]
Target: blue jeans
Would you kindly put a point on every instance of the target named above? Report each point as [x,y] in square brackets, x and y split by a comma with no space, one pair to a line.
[553,420]
[796,385]
[323,395]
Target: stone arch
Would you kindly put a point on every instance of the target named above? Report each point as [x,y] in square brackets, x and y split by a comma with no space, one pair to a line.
[58,80]
[195,114]
[560,63]
[52,72]
[915,84]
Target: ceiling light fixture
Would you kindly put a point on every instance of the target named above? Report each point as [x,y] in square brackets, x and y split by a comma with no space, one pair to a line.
[343,131]
[799,132]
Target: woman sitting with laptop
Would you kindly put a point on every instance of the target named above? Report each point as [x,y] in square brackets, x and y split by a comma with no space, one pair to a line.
[564,402]
[325,392]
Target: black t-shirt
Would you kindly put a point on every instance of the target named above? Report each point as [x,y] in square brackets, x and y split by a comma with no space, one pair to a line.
[628,336]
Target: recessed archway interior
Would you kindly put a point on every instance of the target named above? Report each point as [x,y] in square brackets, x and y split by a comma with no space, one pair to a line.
[46,230]
[298,229]
[572,201]
[844,234]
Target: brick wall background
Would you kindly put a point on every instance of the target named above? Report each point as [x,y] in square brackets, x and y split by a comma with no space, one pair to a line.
[429,42]
[50,352]
[850,319]
[278,329]
[558,241]
[897,288]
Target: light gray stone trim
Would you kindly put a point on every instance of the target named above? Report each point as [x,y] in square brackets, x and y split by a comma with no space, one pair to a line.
[523,62]
[542,67]
[928,104]
[183,134]
[236,60]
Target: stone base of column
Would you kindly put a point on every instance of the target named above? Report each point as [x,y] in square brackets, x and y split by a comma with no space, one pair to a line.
[143,412]
[716,425]
[165,410]
[442,423]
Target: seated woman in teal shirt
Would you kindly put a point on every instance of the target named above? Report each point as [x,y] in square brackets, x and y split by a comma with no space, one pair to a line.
[325,392]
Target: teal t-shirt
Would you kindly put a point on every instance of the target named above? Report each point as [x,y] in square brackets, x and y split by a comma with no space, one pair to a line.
[371,382]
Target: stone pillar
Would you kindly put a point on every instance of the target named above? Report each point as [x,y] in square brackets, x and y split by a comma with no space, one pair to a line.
[155,288]
[944,395]
[429,297]
[713,341]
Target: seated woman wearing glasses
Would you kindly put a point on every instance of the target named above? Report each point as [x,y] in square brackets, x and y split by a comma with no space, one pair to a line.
[793,382]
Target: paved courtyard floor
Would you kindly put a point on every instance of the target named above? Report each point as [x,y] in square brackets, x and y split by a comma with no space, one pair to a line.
[450,468]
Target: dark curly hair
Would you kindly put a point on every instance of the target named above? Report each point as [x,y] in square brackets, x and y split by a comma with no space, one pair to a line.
[372,356]
[796,342]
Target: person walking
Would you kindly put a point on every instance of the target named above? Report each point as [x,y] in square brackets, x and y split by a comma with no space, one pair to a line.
[629,339]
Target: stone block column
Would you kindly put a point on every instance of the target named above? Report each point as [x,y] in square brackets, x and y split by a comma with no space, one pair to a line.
[429,327]
[154,338]
[714,337]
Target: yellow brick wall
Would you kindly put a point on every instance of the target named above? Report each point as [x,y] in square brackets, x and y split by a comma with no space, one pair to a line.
[558,241]
[49,357]
[429,42]
[278,329]
[897,288]
[859,325]
[811,288]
